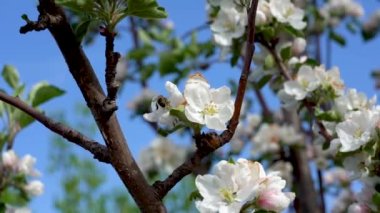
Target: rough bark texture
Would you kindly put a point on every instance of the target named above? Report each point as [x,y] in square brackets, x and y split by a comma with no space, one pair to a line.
[84,75]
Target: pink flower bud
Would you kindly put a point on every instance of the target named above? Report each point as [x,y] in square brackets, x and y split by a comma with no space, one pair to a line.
[274,200]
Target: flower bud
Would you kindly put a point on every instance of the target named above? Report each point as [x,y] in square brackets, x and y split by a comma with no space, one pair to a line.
[9,159]
[34,188]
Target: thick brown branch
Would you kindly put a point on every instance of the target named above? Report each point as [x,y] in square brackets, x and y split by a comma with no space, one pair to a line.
[99,151]
[208,143]
[84,75]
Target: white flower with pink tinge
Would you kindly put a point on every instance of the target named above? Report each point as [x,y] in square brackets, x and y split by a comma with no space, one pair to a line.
[242,184]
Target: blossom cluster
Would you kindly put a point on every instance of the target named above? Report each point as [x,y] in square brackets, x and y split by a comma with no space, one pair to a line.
[200,104]
[241,185]
[161,155]
[308,80]
[231,19]
[352,118]
[16,173]
[270,137]
[334,11]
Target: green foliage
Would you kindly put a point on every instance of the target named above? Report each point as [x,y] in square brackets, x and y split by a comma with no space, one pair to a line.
[14,197]
[89,14]
[263,81]
[336,37]
[43,92]
[286,53]
[15,118]
[11,76]
[376,199]
[145,9]
[331,116]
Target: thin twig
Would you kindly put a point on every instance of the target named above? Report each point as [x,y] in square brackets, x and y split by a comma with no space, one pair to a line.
[112,58]
[283,70]
[99,151]
[209,142]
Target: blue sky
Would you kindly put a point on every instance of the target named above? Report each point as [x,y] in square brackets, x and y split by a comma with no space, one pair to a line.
[37,58]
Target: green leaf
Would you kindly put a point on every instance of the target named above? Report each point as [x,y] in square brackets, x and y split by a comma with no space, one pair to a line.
[327,116]
[263,81]
[43,92]
[81,29]
[168,63]
[269,62]
[195,195]
[22,118]
[78,6]
[2,207]
[269,33]
[312,62]
[376,198]
[337,38]
[293,32]
[19,90]
[368,35]
[1,108]
[286,53]
[145,9]
[14,197]
[11,76]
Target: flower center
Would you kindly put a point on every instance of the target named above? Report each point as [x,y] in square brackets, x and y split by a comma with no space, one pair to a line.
[358,133]
[304,83]
[210,109]
[227,195]
[289,12]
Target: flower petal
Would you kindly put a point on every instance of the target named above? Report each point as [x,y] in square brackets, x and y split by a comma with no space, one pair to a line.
[193,114]
[213,122]
[175,96]
[220,95]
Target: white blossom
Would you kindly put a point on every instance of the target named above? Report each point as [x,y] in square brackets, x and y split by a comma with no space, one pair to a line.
[330,78]
[299,46]
[269,137]
[161,154]
[285,12]
[34,188]
[353,100]
[26,166]
[306,81]
[356,130]
[263,14]
[266,140]
[205,105]
[357,165]
[229,24]
[121,69]
[235,184]
[161,107]
[13,209]
[10,159]
[358,208]
[283,169]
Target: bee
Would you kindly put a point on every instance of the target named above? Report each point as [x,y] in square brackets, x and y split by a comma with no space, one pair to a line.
[162,102]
